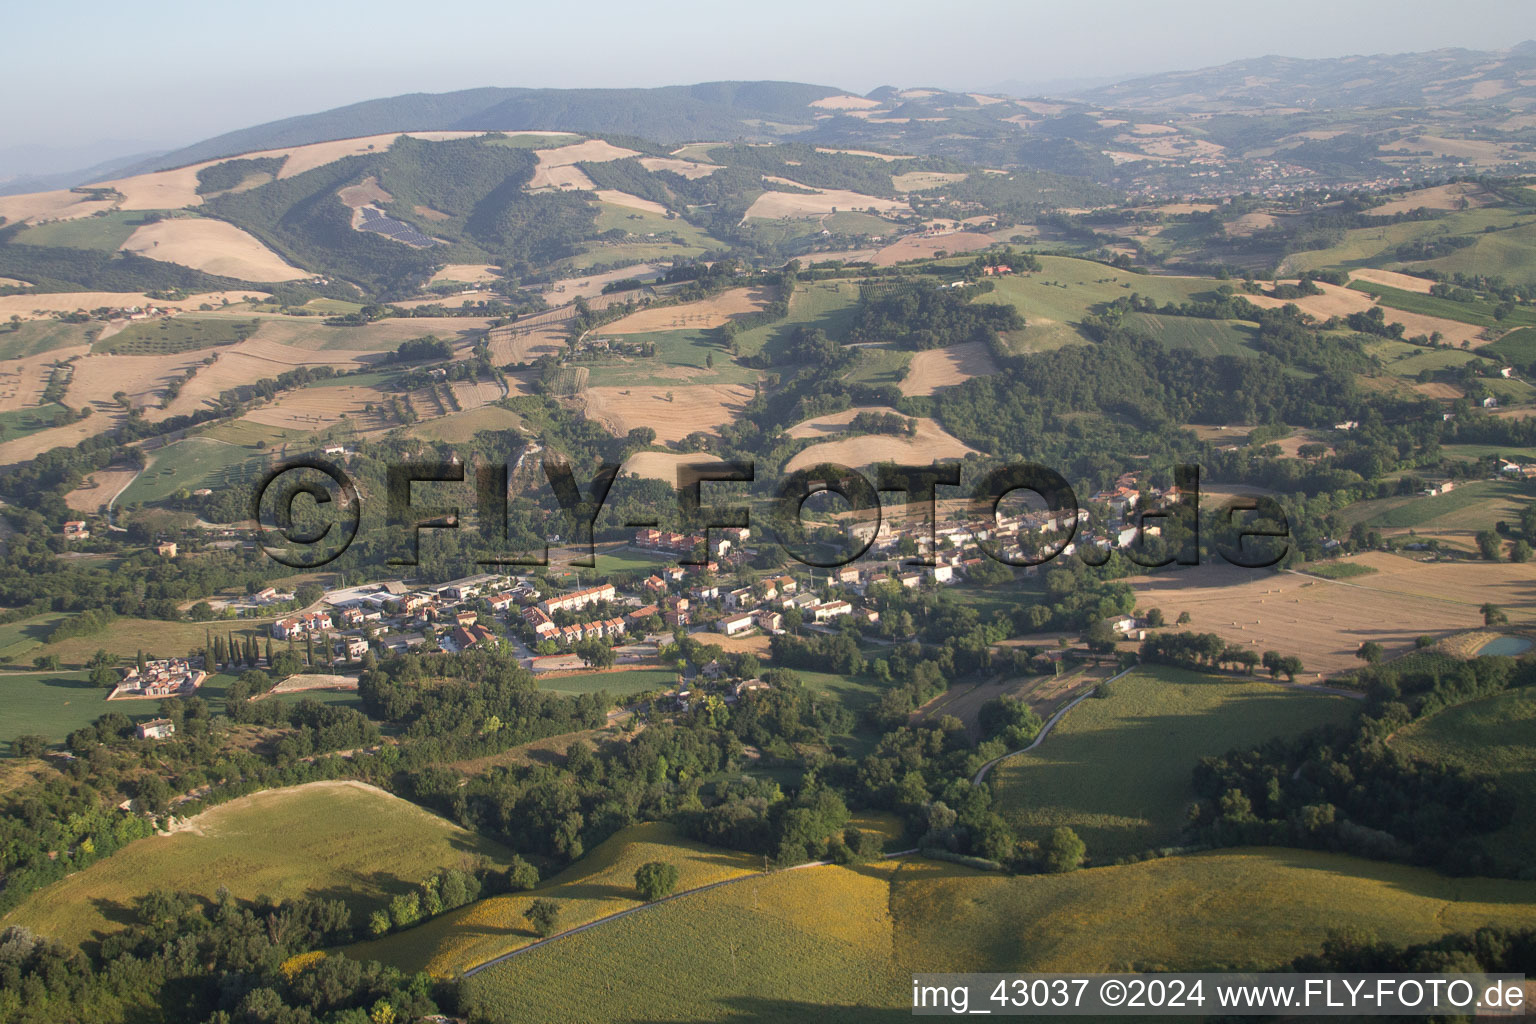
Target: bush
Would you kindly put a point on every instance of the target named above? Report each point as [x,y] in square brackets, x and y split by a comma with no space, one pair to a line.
[655,880]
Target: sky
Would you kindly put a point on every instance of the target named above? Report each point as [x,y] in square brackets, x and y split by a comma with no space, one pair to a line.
[90,79]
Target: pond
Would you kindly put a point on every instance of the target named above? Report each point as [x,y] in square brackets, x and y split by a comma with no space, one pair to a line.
[1505,645]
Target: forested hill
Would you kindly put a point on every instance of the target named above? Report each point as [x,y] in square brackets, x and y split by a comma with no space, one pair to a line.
[723,110]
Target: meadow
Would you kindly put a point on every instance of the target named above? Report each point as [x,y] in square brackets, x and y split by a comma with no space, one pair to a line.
[774,953]
[1117,770]
[1471,506]
[54,704]
[33,337]
[682,357]
[618,684]
[338,840]
[1494,736]
[828,305]
[1516,346]
[1479,313]
[170,335]
[187,465]
[105,231]
[1202,337]
[601,883]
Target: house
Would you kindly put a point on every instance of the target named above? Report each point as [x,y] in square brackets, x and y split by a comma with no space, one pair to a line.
[156,729]
[746,686]
[352,617]
[467,617]
[502,602]
[848,574]
[768,620]
[910,580]
[786,585]
[353,646]
[76,529]
[578,599]
[830,610]
[465,637]
[741,597]
[639,615]
[1490,402]
[1123,624]
[654,585]
[705,592]
[469,586]
[943,574]
[166,549]
[675,611]
[733,625]
[298,626]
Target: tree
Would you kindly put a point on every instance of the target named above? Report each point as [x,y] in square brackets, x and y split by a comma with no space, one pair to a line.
[378,923]
[1493,615]
[1521,552]
[544,915]
[1370,652]
[655,880]
[46,662]
[1489,545]
[30,745]
[1155,618]
[1183,618]
[1063,851]
[521,875]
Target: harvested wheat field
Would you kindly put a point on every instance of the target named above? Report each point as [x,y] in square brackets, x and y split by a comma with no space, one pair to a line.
[142,378]
[366,192]
[59,204]
[710,312]
[1250,224]
[922,247]
[96,490]
[1324,622]
[931,442]
[468,273]
[513,345]
[690,169]
[662,465]
[572,288]
[311,409]
[773,205]
[1335,301]
[1392,279]
[244,363]
[277,334]
[919,181]
[22,381]
[936,368]
[107,416]
[213,246]
[624,199]
[695,408]
[474,394]
[1462,195]
[46,306]
[557,168]
[844,102]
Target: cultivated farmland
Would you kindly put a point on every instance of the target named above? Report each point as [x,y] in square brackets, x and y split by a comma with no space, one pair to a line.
[318,839]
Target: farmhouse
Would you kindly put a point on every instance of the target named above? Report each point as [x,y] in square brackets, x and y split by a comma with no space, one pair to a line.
[76,529]
[309,622]
[168,677]
[155,729]
[830,610]
[735,624]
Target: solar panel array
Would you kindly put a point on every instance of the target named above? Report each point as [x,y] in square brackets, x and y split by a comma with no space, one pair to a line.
[377,221]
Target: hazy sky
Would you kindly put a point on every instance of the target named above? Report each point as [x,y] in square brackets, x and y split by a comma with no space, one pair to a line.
[162,74]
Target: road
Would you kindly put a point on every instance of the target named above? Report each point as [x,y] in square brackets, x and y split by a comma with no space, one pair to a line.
[1045,730]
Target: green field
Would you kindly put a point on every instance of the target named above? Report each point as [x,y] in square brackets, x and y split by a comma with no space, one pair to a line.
[828,305]
[105,231]
[169,335]
[1117,770]
[18,640]
[775,953]
[1201,336]
[338,840]
[125,637]
[599,884]
[54,704]
[187,465]
[459,427]
[646,223]
[15,423]
[1366,246]
[619,684]
[681,358]
[1509,254]
[1066,289]
[1479,313]
[1516,347]
[1495,736]
[877,366]
[1471,506]
[32,337]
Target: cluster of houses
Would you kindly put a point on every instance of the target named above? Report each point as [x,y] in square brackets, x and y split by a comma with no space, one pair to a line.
[166,677]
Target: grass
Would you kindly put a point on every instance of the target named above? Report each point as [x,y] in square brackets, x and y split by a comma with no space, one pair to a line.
[106,231]
[1117,770]
[1515,347]
[599,884]
[846,222]
[17,423]
[1494,736]
[1474,506]
[1203,337]
[765,949]
[1364,246]
[54,704]
[1509,254]
[336,840]
[1339,570]
[623,558]
[1479,313]
[32,337]
[611,253]
[828,305]
[170,335]
[618,684]
[187,465]
[775,953]
[460,427]
[19,639]
[681,357]
[125,637]
[646,223]
[1065,289]
[877,366]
